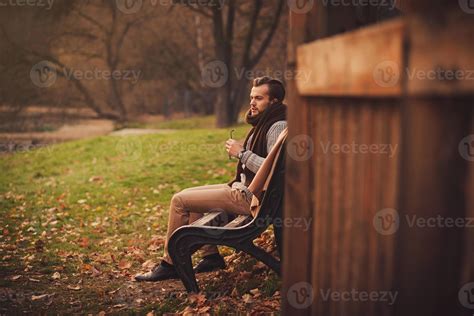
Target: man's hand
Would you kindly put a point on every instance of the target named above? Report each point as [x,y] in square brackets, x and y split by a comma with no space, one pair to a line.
[233,147]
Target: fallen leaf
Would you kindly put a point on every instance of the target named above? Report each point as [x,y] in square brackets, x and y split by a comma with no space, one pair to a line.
[197,298]
[247,298]
[114,291]
[15,277]
[124,265]
[234,293]
[96,179]
[203,310]
[56,276]
[39,297]
[84,242]
[149,264]
[33,280]
[75,288]
[255,291]
[245,275]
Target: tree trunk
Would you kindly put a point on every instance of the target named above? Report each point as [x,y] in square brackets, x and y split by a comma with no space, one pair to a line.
[223,106]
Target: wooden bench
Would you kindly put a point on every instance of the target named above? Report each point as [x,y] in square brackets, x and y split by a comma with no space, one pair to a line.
[239,233]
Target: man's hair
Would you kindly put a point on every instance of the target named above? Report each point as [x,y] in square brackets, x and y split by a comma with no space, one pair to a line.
[276,89]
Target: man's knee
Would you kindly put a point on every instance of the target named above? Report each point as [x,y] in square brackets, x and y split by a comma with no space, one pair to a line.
[177,199]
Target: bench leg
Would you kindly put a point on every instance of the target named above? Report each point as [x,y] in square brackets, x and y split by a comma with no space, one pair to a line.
[263,256]
[184,267]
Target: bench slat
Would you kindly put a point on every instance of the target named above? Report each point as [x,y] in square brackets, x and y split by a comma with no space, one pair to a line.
[206,220]
[239,221]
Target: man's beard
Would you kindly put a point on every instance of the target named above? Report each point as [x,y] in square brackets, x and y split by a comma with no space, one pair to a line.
[253,119]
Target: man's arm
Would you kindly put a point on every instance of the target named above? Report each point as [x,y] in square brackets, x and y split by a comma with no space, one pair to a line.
[254,161]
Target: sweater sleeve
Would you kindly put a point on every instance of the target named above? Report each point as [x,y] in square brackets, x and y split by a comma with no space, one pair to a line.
[254,161]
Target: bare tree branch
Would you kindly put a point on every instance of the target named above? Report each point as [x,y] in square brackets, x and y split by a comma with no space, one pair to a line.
[269,36]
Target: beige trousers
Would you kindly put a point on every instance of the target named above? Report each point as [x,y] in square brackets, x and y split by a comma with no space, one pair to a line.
[191,204]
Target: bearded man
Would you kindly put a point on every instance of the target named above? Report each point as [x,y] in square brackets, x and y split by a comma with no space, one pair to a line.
[267,115]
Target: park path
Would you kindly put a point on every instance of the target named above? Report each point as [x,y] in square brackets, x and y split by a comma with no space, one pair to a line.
[82,129]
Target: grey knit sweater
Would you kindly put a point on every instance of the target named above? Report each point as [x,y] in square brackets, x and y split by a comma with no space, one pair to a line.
[253,161]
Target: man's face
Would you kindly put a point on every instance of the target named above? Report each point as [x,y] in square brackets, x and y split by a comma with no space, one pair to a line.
[259,99]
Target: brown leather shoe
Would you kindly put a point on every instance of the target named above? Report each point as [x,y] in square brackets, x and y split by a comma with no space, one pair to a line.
[210,263]
[163,271]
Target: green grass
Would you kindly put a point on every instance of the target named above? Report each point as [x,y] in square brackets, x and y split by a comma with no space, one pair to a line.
[195,122]
[71,203]
[188,123]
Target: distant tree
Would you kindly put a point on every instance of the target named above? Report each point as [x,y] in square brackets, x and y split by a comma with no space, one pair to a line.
[242,31]
[87,33]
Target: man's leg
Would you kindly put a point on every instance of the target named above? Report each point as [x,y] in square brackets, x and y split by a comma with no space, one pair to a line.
[206,249]
[200,201]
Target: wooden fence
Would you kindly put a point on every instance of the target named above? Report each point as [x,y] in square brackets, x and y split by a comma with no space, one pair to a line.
[379,139]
